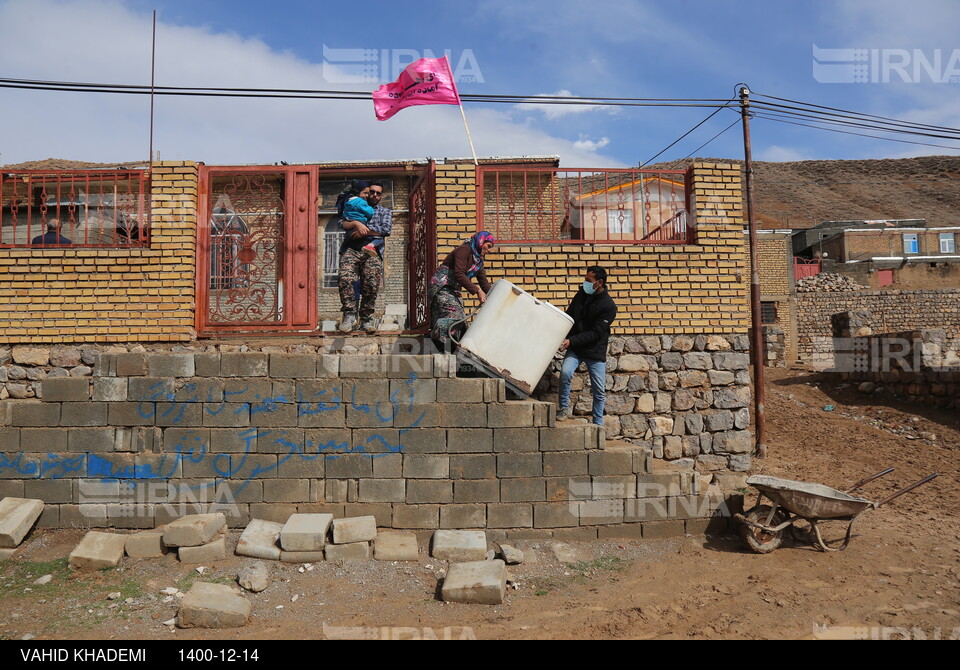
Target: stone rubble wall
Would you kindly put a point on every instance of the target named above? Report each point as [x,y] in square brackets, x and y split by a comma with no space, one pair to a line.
[686,398]
[892,311]
[919,366]
[775,345]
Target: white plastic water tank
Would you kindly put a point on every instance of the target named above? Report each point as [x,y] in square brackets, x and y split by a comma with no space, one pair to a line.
[515,336]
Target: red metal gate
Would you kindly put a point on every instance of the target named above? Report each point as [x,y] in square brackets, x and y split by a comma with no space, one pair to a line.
[257,249]
[422,249]
[805,268]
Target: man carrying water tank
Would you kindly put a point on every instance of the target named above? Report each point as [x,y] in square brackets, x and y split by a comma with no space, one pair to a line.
[592,310]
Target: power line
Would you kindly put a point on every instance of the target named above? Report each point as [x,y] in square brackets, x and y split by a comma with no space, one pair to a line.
[90,87]
[848,132]
[863,114]
[711,115]
[735,122]
[869,125]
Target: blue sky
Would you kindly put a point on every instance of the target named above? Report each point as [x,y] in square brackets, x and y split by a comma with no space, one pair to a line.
[682,49]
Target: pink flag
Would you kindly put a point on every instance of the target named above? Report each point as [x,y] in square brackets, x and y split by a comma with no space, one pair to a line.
[427,81]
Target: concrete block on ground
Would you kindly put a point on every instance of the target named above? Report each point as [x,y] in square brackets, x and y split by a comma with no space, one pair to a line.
[357,529]
[205,553]
[259,540]
[193,530]
[480,582]
[148,544]
[7,554]
[98,550]
[255,578]
[459,545]
[17,516]
[396,546]
[306,532]
[511,555]
[213,606]
[355,551]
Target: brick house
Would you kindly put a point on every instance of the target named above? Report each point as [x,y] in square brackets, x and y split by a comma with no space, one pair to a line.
[194,260]
[901,253]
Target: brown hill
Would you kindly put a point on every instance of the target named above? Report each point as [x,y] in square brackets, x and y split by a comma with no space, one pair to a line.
[66,164]
[804,193]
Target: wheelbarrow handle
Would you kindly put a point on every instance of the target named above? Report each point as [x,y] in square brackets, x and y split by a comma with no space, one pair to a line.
[867,480]
[908,489]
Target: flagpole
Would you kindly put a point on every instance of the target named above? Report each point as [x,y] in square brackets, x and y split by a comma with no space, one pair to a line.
[469,139]
[153,74]
[462,113]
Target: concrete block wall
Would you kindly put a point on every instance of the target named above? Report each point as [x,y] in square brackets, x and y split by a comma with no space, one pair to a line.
[152,436]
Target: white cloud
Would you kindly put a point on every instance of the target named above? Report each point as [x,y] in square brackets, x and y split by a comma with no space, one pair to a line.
[106,41]
[557,110]
[591,145]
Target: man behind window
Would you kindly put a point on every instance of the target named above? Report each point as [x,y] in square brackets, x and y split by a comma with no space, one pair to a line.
[52,236]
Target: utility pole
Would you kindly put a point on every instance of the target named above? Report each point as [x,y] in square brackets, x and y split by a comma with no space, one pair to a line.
[756,330]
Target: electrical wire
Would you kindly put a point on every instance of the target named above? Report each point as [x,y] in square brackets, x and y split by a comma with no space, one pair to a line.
[848,132]
[868,126]
[33,84]
[714,112]
[761,108]
[845,111]
[735,122]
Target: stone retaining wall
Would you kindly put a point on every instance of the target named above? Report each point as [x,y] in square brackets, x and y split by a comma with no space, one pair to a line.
[685,398]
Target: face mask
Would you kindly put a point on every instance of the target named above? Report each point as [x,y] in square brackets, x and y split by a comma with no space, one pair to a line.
[588,287]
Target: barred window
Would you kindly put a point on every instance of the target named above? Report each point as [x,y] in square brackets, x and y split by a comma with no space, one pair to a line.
[768,313]
[87,208]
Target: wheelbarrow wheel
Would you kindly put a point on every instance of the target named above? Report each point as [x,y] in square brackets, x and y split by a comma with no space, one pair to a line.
[758,540]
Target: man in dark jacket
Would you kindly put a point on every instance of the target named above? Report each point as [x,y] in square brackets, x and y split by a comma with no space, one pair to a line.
[592,310]
[52,236]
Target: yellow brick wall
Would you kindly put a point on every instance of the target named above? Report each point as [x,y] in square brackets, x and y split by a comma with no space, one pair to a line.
[110,295]
[773,254]
[696,288]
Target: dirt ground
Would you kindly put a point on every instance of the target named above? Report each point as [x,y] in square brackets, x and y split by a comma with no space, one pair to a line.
[900,577]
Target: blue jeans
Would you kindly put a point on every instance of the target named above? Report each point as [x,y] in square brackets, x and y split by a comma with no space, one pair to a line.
[598,382]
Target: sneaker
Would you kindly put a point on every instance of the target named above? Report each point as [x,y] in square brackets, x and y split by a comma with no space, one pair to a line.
[369,326]
[349,322]
[370,249]
[564,413]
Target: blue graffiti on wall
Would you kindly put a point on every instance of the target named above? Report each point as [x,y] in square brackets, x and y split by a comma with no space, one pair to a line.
[192,448]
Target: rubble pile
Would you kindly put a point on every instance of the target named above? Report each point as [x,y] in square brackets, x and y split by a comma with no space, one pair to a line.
[476,574]
[827,282]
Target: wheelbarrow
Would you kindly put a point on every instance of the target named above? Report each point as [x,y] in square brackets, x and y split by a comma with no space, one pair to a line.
[762,527]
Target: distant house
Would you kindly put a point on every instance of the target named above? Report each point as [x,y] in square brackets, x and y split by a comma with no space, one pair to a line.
[635,210]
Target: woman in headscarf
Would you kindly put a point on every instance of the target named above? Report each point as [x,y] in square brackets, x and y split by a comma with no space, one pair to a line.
[457,272]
